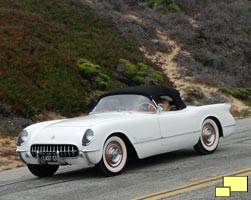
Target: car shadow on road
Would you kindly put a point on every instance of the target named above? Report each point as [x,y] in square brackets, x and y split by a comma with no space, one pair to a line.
[166,158]
[133,165]
[80,173]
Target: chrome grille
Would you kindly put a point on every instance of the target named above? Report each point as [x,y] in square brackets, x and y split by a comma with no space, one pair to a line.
[64,150]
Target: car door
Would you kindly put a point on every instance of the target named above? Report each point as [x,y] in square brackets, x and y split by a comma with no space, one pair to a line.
[178,129]
[145,130]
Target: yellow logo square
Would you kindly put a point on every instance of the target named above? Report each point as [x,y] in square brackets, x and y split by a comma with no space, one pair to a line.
[236,183]
[222,192]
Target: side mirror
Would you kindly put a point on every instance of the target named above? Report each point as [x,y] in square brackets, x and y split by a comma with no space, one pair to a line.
[160,107]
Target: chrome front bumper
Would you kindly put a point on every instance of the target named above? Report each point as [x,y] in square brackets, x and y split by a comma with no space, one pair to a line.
[84,158]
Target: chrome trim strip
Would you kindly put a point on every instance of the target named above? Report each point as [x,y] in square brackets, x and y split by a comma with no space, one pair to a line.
[181,134]
[229,125]
[161,138]
[20,151]
[92,150]
[148,140]
[85,152]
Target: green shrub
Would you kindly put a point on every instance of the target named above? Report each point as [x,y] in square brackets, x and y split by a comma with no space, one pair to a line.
[154,2]
[243,94]
[104,77]
[101,84]
[139,80]
[102,81]
[135,72]
[124,61]
[226,91]
[142,69]
[140,73]
[173,6]
[157,77]
[131,70]
[88,68]
[93,74]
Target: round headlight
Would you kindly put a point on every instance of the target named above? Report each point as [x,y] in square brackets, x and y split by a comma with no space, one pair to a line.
[22,137]
[88,137]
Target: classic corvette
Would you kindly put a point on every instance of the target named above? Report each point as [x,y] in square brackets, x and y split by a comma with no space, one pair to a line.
[139,121]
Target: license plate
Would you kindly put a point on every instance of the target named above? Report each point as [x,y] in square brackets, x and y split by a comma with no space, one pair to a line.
[49,157]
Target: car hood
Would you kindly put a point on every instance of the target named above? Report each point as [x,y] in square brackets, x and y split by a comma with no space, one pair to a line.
[85,121]
[69,130]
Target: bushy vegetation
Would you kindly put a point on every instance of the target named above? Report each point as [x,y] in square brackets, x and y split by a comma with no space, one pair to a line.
[93,75]
[173,6]
[218,40]
[139,74]
[215,36]
[243,94]
[41,42]
[151,3]
[170,4]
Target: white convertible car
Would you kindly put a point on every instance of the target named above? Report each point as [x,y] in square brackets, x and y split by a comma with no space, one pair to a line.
[136,121]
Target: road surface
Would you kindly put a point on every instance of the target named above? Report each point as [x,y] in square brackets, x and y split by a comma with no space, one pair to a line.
[177,175]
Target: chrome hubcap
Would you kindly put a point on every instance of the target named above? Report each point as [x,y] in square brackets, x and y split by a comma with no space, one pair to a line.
[114,154]
[208,135]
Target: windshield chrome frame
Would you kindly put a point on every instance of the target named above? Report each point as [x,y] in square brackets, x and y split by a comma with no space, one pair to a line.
[151,101]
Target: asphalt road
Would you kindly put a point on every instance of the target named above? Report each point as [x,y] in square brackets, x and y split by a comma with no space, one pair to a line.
[178,175]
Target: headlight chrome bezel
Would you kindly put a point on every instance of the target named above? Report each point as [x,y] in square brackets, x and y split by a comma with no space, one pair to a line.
[22,138]
[88,137]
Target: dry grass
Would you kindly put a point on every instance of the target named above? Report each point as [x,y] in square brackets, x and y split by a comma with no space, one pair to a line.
[8,156]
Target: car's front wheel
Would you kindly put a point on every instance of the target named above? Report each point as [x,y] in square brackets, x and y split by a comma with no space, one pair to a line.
[42,170]
[209,138]
[114,156]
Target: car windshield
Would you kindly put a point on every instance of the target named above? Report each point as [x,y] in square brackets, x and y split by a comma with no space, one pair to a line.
[124,103]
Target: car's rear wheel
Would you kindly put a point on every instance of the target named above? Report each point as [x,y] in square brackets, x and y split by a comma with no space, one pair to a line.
[209,138]
[114,156]
[42,170]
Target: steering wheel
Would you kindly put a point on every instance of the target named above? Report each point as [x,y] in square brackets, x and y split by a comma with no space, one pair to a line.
[145,107]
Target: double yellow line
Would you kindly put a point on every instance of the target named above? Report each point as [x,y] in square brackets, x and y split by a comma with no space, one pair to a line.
[194,186]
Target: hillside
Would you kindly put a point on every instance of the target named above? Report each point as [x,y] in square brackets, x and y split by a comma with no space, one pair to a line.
[204,47]
[59,55]
[215,34]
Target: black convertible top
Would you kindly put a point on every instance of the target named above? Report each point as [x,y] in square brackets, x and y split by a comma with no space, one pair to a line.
[150,91]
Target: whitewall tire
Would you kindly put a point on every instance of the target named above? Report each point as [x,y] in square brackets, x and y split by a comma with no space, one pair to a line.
[114,156]
[209,138]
